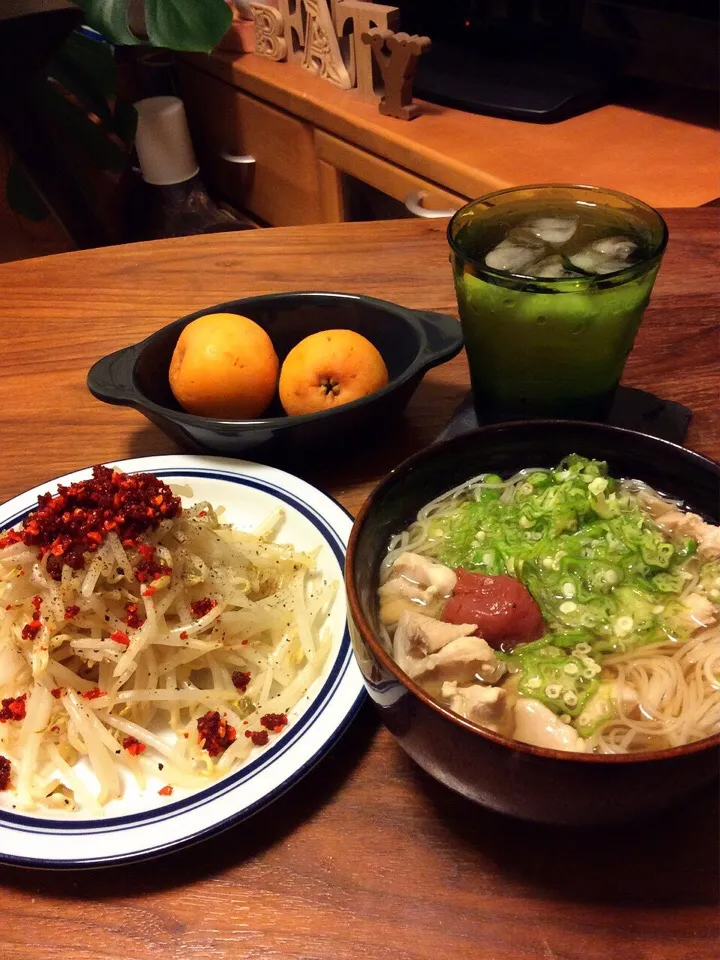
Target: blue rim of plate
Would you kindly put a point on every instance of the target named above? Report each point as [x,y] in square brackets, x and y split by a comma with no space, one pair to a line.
[343,661]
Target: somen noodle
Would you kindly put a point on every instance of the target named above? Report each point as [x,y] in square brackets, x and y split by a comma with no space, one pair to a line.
[561,607]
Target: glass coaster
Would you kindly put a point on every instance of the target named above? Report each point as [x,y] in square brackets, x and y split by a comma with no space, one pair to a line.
[632,409]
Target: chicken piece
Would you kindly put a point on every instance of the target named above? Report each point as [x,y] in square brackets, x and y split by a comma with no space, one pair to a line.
[537,725]
[428,648]
[701,612]
[682,523]
[708,539]
[679,523]
[603,705]
[486,706]
[409,589]
[401,594]
[460,660]
[418,635]
[693,613]
[652,504]
[426,572]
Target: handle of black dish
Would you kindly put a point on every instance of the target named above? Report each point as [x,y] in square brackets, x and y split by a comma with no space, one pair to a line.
[111,378]
[444,337]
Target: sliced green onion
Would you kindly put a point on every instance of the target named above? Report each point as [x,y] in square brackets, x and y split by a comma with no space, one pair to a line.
[623,626]
[589,555]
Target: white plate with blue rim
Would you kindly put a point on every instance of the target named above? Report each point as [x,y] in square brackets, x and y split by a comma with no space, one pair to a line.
[144,824]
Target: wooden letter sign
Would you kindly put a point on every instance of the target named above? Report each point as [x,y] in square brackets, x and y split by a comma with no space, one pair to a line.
[397,67]
[362,16]
[292,16]
[269,39]
[322,52]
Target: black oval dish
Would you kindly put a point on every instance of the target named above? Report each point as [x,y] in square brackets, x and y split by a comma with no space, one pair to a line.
[410,341]
[530,782]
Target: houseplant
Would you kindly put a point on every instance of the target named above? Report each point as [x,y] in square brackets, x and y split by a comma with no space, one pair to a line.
[175,24]
[76,103]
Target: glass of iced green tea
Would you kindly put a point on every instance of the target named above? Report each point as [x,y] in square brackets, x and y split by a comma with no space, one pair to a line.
[552,281]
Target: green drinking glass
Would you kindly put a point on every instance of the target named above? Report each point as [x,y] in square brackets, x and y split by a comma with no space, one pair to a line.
[552,281]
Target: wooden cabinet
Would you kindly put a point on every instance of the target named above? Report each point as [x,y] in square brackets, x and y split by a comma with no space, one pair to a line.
[282,186]
[346,169]
[643,146]
[322,154]
[299,173]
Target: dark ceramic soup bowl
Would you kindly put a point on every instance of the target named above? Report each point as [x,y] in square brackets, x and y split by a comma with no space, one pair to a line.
[516,778]
[410,342]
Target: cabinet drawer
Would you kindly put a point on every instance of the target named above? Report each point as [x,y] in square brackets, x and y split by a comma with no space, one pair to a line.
[282,186]
[384,176]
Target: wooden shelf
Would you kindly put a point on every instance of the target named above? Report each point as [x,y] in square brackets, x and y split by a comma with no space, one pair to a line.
[660,159]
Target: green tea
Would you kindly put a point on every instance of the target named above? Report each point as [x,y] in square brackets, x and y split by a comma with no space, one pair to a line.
[551,294]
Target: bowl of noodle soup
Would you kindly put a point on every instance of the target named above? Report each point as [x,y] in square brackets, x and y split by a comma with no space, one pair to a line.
[535,608]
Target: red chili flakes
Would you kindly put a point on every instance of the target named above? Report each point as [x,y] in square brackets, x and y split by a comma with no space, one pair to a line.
[149,591]
[9,607]
[5,768]
[216,733]
[77,519]
[31,629]
[13,708]
[133,746]
[184,635]
[58,692]
[199,608]
[258,737]
[132,618]
[119,636]
[166,791]
[241,680]
[93,694]
[12,536]
[203,513]
[150,570]
[274,721]
[72,611]
[145,551]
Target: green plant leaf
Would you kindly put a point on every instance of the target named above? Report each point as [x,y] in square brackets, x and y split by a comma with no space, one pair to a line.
[94,60]
[75,83]
[22,196]
[81,132]
[110,18]
[187,24]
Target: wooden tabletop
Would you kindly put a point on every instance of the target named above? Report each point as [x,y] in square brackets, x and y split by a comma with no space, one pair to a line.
[367,857]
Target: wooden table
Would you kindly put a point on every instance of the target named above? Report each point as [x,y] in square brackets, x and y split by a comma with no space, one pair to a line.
[367,857]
